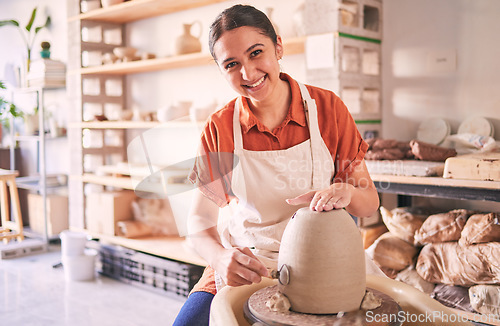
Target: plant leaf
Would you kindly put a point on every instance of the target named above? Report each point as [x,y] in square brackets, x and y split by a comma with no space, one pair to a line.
[14,112]
[9,22]
[2,85]
[47,24]
[32,19]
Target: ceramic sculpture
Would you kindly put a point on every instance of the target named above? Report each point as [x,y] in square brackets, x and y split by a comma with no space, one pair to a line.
[188,43]
[322,262]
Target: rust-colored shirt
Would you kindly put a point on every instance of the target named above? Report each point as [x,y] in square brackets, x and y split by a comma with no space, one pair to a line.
[212,169]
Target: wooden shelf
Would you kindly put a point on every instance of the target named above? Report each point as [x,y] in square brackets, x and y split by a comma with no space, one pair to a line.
[135,124]
[130,11]
[118,182]
[131,183]
[169,247]
[437,181]
[438,187]
[123,68]
[292,46]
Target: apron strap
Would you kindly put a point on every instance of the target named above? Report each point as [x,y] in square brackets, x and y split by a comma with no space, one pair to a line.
[238,139]
[311,111]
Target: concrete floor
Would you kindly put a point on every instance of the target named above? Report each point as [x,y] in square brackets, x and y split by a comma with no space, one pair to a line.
[32,292]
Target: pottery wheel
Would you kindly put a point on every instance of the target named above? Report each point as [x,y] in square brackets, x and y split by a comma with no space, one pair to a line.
[257,313]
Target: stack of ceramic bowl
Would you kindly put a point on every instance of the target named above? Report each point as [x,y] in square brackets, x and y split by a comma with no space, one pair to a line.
[477,125]
[107,3]
[125,53]
[78,262]
[88,5]
[433,131]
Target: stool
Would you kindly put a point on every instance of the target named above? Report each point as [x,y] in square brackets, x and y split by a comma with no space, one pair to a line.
[12,226]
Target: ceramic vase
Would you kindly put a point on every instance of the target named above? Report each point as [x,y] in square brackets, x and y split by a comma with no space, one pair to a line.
[269,13]
[188,43]
[298,20]
[31,124]
[322,262]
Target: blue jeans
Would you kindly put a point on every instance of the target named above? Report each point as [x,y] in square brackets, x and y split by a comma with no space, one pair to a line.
[196,310]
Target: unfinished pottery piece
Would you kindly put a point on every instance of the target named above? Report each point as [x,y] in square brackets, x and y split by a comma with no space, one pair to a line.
[257,312]
[188,43]
[322,262]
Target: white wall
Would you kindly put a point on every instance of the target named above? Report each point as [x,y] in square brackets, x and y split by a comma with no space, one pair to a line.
[411,92]
[14,54]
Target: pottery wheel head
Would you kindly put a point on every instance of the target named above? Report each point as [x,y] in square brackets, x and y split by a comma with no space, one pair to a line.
[255,311]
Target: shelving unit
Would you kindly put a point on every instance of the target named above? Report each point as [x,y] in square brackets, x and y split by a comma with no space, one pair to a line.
[351,30]
[438,187]
[114,17]
[35,184]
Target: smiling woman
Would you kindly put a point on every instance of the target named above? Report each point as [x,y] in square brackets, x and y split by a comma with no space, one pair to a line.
[296,146]
[247,49]
[249,62]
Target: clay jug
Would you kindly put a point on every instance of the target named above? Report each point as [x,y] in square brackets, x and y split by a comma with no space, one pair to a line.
[322,262]
[188,43]
[298,20]
[269,13]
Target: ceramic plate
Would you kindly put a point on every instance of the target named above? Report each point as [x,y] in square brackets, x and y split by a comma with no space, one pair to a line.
[433,131]
[476,125]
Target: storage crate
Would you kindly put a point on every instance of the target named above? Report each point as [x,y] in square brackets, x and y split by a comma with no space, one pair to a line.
[356,17]
[105,209]
[158,274]
[354,75]
[374,219]
[57,214]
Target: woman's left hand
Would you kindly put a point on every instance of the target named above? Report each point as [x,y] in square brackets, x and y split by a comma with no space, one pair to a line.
[338,195]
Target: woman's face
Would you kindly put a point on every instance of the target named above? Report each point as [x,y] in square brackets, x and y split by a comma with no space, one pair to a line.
[249,61]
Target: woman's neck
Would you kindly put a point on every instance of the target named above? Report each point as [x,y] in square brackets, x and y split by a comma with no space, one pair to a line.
[274,109]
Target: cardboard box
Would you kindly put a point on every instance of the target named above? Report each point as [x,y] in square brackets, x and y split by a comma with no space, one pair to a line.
[371,220]
[371,233]
[57,214]
[105,209]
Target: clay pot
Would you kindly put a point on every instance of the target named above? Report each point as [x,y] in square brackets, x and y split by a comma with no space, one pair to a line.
[187,43]
[269,13]
[322,262]
[298,20]
[108,3]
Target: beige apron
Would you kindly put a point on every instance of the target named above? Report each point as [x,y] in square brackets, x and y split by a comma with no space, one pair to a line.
[262,180]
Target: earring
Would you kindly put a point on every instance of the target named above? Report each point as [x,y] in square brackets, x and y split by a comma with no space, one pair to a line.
[281,66]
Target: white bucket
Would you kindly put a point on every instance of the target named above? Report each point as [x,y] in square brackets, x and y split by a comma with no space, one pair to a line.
[80,268]
[72,243]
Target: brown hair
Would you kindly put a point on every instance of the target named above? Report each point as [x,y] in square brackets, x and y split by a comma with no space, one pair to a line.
[238,16]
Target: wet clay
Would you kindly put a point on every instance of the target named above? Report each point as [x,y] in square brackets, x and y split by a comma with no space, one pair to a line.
[278,303]
[256,311]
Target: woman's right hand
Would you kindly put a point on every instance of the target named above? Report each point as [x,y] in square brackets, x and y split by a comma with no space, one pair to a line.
[239,266]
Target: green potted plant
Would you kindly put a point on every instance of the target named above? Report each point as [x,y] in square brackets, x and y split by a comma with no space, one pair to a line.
[7,109]
[28,33]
